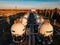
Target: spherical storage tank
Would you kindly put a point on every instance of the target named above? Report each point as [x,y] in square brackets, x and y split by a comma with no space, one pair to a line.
[46,29]
[18,29]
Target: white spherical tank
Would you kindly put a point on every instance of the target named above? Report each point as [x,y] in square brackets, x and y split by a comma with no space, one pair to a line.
[18,29]
[40,19]
[46,29]
[24,19]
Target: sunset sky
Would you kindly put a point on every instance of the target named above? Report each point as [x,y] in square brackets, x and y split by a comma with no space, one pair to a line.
[23,4]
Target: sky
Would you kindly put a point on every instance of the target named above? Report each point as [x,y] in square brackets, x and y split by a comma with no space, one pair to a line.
[23,4]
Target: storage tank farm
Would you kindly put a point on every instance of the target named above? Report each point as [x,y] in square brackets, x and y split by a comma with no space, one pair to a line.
[34,28]
[19,30]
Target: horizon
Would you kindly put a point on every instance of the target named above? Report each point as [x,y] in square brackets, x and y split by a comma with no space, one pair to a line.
[29,4]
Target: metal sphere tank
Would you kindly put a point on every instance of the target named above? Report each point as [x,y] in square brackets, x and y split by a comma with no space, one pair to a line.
[40,19]
[18,29]
[46,29]
[23,19]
